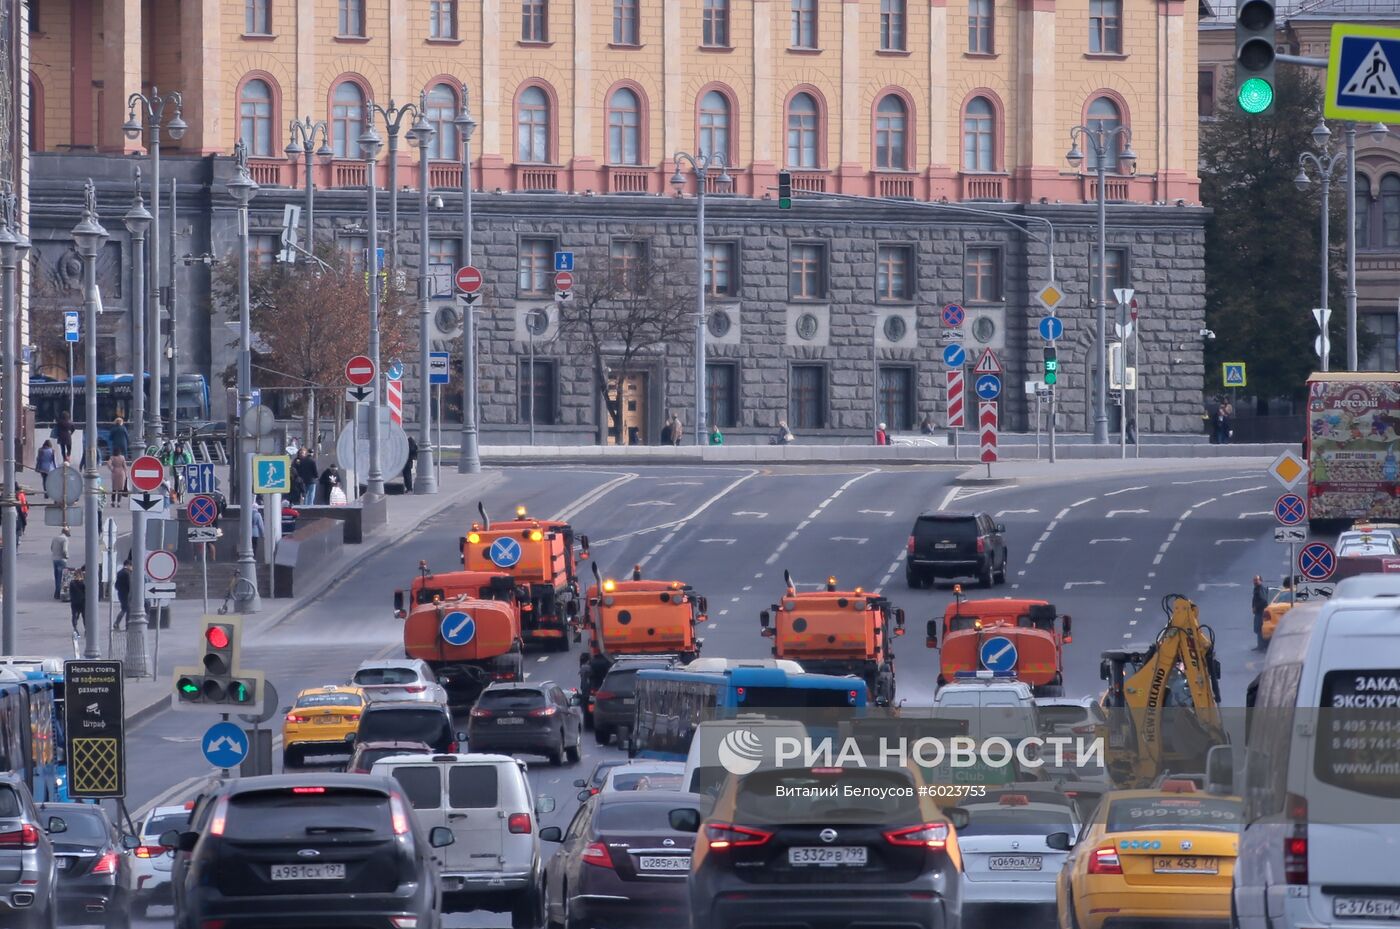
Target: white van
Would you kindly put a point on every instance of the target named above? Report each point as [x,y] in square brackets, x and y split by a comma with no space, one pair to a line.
[704,772]
[1320,777]
[992,706]
[494,863]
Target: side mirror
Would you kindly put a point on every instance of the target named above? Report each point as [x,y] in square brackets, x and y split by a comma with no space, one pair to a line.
[130,842]
[705,605]
[958,816]
[931,634]
[1000,527]
[764,619]
[1067,625]
[170,839]
[285,710]
[685,820]
[551,834]
[899,617]
[1220,769]
[583,795]
[1059,841]
[187,841]
[1104,672]
[441,837]
[544,805]
[398,603]
[583,545]
[580,782]
[575,699]
[56,825]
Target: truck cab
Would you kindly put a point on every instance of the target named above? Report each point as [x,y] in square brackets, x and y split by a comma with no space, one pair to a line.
[1026,637]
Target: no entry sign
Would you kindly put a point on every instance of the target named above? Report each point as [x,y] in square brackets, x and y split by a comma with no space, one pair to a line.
[564,281]
[468,279]
[147,473]
[359,370]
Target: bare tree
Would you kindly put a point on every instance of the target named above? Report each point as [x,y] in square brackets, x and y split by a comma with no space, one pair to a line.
[623,313]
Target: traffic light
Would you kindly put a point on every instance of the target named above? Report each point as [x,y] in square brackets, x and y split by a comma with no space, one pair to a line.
[1052,366]
[1256,28]
[784,190]
[217,680]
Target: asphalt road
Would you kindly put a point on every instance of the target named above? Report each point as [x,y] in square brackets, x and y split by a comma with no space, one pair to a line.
[1104,550]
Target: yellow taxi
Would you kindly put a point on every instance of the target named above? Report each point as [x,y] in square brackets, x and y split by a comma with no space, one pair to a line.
[1281,603]
[321,721]
[1165,854]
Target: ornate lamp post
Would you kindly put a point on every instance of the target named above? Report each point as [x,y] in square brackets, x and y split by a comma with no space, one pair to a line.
[302,135]
[702,165]
[241,189]
[421,136]
[138,219]
[14,245]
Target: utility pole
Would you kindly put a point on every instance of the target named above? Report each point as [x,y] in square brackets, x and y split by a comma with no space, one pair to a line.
[469,458]
[241,189]
[89,236]
[14,245]
[138,219]
[425,480]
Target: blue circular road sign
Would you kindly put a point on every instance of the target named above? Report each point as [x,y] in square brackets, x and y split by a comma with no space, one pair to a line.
[988,387]
[395,370]
[1290,509]
[954,356]
[202,510]
[998,654]
[1317,561]
[458,628]
[225,745]
[1051,328]
[504,552]
[953,316]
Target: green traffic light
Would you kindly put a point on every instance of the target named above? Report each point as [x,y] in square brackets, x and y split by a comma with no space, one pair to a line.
[240,692]
[1255,95]
[188,689]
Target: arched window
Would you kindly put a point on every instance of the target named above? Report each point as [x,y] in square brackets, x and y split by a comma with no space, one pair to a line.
[979,135]
[532,127]
[803,120]
[714,124]
[255,117]
[1390,210]
[440,106]
[1103,114]
[347,119]
[624,127]
[1363,211]
[891,128]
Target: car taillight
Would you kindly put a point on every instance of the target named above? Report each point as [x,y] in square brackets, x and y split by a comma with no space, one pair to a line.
[981,546]
[725,835]
[308,790]
[416,688]
[294,718]
[453,748]
[25,836]
[545,711]
[928,835]
[219,818]
[519,823]
[597,854]
[1104,860]
[479,713]
[1295,846]
[399,814]
[911,545]
[604,695]
[107,864]
[150,851]
[351,717]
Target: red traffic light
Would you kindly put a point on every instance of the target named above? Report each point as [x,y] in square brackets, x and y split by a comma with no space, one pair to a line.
[218,636]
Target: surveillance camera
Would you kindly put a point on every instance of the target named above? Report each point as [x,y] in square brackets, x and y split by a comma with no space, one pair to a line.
[1207,333]
[437,201]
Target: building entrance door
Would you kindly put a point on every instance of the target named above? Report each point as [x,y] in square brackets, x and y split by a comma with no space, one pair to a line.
[633,392]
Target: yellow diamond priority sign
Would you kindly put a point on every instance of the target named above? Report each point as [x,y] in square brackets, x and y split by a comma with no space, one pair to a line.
[1050,296]
[1288,469]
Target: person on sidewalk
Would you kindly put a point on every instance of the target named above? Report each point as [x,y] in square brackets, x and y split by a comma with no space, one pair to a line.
[123,584]
[58,548]
[45,461]
[306,466]
[408,465]
[21,513]
[666,433]
[259,527]
[1258,604]
[882,437]
[716,437]
[677,430]
[63,432]
[118,439]
[336,495]
[117,465]
[77,601]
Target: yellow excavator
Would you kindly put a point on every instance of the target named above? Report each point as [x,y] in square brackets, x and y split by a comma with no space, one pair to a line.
[1163,700]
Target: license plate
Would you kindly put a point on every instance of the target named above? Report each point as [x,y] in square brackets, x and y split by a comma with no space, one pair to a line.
[665,862]
[308,872]
[1014,863]
[1370,907]
[1185,865]
[327,720]
[510,721]
[64,863]
[942,545]
[828,856]
[629,701]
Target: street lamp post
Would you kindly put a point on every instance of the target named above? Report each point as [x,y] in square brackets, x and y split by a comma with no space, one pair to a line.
[1103,141]
[241,189]
[153,108]
[469,460]
[393,122]
[89,236]
[138,219]
[302,136]
[13,247]
[1324,164]
[701,165]
[421,135]
[370,145]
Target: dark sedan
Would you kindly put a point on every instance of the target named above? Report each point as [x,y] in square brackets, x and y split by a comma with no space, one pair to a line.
[94,872]
[620,863]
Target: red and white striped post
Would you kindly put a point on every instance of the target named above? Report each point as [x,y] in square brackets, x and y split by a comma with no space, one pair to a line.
[394,394]
[987,423]
[956,405]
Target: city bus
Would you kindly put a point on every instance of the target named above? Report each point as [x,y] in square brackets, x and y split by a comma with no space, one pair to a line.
[31,732]
[114,395]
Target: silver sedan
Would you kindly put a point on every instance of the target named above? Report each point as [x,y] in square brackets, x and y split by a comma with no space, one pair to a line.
[399,679]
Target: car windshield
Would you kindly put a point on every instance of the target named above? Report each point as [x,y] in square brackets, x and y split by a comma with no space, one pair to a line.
[805,795]
[1010,820]
[1365,549]
[367,757]
[378,677]
[159,825]
[632,780]
[621,683]
[1174,814]
[294,814]
[83,827]
[641,817]
[600,773]
[515,698]
[330,699]
[1063,715]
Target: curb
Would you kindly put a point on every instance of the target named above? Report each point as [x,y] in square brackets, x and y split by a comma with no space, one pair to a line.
[964,481]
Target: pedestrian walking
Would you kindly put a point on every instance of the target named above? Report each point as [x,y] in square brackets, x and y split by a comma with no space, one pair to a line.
[1227,422]
[45,461]
[123,584]
[882,437]
[58,549]
[77,601]
[63,432]
[21,512]
[306,466]
[118,439]
[336,495]
[677,430]
[1258,603]
[666,433]
[259,527]
[408,465]
[117,465]
[1131,431]
[716,437]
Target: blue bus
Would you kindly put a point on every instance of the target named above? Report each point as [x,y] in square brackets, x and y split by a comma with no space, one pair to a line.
[31,731]
[671,704]
[114,395]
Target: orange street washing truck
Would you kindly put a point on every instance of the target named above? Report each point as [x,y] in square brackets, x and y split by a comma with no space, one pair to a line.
[1003,635]
[466,626]
[637,618]
[539,555]
[837,632]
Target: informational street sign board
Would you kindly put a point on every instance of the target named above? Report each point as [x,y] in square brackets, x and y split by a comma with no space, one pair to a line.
[1290,534]
[1362,83]
[1232,374]
[199,478]
[954,356]
[1290,509]
[956,406]
[987,420]
[358,394]
[439,370]
[1051,328]
[1314,591]
[953,316]
[94,720]
[988,363]
[199,534]
[1288,469]
[359,371]
[157,505]
[202,510]
[1050,296]
[563,261]
[272,474]
[1317,561]
[161,592]
[70,325]
[468,279]
[147,474]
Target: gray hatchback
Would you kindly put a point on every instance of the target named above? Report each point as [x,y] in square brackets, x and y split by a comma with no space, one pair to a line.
[28,881]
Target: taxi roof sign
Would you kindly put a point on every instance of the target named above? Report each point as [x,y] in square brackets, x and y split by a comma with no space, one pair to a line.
[1288,469]
[1361,80]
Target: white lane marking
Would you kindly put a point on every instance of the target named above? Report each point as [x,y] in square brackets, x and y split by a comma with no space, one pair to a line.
[718,541]
[815,513]
[1072,584]
[1202,503]
[1036,547]
[542,659]
[1114,493]
[880,512]
[1015,586]
[1243,490]
[803,525]
[1243,476]
[753,513]
[1157,559]
[791,536]
[1084,501]
[772,558]
[572,509]
[680,484]
[758,576]
[1204,586]
[949,497]
[1259,513]
[1132,622]
[1001,513]
[654,550]
[1020,573]
[1113,513]
[1097,541]
[1229,541]
[849,538]
[723,612]
[1127,635]
[713,625]
[653,503]
[748,587]
[733,599]
[678,523]
[1030,559]
[1060,515]
[1151,574]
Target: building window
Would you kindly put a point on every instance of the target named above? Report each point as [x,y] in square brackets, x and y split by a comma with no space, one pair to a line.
[806,271]
[626,22]
[440,107]
[1106,27]
[257,17]
[722,393]
[716,23]
[1104,115]
[534,21]
[714,124]
[442,19]
[892,265]
[627,258]
[262,249]
[255,117]
[979,139]
[1390,211]
[980,27]
[536,266]
[538,387]
[444,256]
[892,25]
[802,125]
[1363,211]
[1205,92]
[347,120]
[352,18]
[1117,261]
[982,275]
[807,397]
[804,23]
[1382,328]
[721,269]
[532,127]
[897,397]
[891,129]
[624,128]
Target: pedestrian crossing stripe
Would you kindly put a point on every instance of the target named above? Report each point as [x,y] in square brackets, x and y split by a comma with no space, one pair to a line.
[1233,373]
[1374,77]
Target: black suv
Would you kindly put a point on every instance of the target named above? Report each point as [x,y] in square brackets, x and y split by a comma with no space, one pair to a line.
[408,720]
[537,718]
[614,702]
[956,545]
[326,849]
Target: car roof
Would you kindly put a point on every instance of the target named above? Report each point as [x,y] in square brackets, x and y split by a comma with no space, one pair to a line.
[91,808]
[331,689]
[379,706]
[238,786]
[390,663]
[169,811]
[950,515]
[448,758]
[499,686]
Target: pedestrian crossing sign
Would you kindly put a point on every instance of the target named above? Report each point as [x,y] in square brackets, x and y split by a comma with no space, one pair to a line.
[1232,373]
[1362,82]
[272,474]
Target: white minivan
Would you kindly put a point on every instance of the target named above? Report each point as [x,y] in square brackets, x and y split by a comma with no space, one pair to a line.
[486,800]
[1320,777]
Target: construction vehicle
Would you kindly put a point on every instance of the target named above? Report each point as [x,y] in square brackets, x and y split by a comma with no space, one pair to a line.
[540,556]
[636,618]
[1163,699]
[837,632]
[486,608]
[1003,635]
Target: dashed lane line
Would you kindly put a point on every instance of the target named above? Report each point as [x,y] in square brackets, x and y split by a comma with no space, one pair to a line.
[1124,490]
[1244,490]
[782,546]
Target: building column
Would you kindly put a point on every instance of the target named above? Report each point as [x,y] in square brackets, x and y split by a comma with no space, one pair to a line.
[671,104]
[764,122]
[1173,180]
[938,176]
[202,77]
[490,111]
[584,167]
[121,72]
[1040,140]
[853,177]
